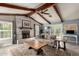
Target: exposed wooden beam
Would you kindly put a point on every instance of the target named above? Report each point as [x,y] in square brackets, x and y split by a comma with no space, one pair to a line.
[44,18]
[44,6]
[34,20]
[58,12]
[16,7]
[12,14]
[29,14]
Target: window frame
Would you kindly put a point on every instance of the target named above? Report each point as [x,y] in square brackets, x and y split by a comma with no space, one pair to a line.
[6,30]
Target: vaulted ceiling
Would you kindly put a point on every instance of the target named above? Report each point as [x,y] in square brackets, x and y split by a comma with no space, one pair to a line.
[69,11]
[45,13]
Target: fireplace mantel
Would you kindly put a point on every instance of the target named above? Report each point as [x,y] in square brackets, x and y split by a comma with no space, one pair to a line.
[25,28]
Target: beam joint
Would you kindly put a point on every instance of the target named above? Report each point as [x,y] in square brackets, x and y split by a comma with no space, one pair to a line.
[44,18]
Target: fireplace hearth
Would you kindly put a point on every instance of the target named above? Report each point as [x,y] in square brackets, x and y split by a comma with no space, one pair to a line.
[25,34]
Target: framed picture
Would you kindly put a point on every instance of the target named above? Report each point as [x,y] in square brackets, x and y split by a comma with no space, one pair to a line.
[26,23]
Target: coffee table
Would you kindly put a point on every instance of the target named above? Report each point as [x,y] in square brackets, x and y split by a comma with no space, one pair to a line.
[37,45]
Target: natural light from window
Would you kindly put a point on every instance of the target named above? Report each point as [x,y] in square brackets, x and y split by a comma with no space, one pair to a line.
[5,30]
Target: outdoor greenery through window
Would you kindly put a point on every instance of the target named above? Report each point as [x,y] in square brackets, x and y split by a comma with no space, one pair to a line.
[5,30]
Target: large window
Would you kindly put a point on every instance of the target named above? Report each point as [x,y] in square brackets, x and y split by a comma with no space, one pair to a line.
[57,29]
[5,30]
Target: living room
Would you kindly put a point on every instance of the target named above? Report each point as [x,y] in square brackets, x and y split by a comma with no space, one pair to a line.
[39,29]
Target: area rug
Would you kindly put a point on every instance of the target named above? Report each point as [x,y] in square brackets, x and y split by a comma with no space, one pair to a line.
[49,51]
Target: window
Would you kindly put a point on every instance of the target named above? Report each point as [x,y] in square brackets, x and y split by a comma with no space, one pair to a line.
[57,29]
[5,30]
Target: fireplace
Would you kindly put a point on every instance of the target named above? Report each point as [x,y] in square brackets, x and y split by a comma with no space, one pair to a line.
[25,34]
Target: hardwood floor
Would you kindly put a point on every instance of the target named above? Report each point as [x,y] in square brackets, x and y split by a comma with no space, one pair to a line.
[73,48]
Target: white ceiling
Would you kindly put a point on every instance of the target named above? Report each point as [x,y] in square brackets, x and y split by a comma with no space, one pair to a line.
[55,18]
[69,11]
[38,18]
[12,11]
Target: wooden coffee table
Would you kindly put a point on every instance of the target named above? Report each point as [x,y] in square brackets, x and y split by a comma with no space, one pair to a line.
[37,45]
